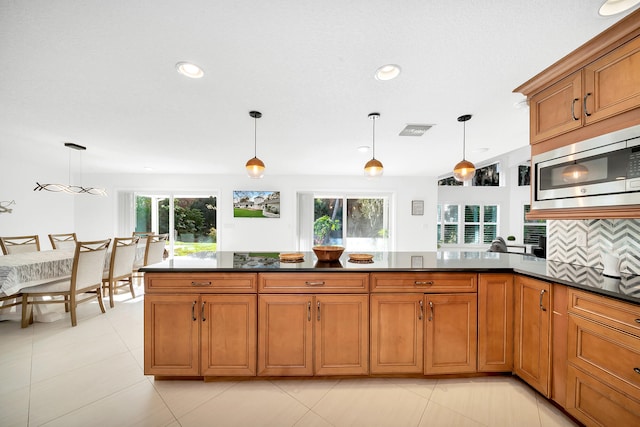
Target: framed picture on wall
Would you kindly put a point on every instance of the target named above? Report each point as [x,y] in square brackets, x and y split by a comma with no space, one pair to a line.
[417,207]
[256,204]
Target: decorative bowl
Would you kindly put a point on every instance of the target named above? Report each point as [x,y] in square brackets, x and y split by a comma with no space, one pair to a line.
[328,253]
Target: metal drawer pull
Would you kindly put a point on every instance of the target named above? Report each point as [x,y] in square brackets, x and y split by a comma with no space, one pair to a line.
[636,370]
[541,295]
[418,283]
[309,311]
[430,311]
[200,283]
[573,104]
[586,113]
[421,315]
[203,318]
[637,320]
[318,311]
[193,311]
[314,283]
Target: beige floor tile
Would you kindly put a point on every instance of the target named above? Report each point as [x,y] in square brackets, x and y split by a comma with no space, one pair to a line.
[420,386]
[14,407]
[15,369]
[306,392]
[550,416]
[183,397]
[370,402]
[311,419]
[438,416]
[257,403]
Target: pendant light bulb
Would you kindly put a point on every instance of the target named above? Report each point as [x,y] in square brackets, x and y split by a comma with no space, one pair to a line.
[374,167]
[464,170]
[255,166]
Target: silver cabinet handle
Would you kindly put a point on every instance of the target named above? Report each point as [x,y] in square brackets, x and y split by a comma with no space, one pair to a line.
[309,311]
[636,370]
[318,311]
[200,283]
[430,311]
[637,320]
[202,310]
[420,283]
[421,314]
[573,105]
[193,311]
[314,283]
[584,103]
[541,295]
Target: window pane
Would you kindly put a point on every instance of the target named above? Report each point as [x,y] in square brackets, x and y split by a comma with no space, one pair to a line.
[491,214]
[450,233]
[488,176]
[472,213]
[471,234]
[327,226]
[366,218]
[195,226]
[439,217]
[490,233]
[533,232]
[451,213]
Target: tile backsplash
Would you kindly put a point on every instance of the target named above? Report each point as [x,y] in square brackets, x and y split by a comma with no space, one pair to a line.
[618,237]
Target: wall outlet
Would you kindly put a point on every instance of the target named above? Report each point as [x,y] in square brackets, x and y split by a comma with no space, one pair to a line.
[581,238]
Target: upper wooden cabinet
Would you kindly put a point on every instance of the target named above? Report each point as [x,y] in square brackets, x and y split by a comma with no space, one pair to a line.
[590,92]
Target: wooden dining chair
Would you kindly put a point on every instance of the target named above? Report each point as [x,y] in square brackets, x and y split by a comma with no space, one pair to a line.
[123,254]
[84,285]
[19,244]
[63,241]
[153,253]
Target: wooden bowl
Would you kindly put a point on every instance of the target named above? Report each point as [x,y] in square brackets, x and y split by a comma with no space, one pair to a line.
[328,253]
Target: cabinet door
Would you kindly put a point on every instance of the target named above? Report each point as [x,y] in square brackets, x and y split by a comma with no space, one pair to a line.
[557,109]
[171,335]
[451,333]
[341,334]
[612,83]
[285,335]
[495,323]
[228,335]
[532,333]
[397,333]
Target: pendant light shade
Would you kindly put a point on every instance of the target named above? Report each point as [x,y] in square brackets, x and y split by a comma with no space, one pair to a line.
[464,170]
[575,173]
[373,167]
[255,166]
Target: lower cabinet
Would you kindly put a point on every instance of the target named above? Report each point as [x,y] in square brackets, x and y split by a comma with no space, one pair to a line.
[200,335]
[304,335]
[495,322]
[532,329]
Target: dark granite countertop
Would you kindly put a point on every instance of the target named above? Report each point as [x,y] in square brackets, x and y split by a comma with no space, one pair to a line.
[627,287]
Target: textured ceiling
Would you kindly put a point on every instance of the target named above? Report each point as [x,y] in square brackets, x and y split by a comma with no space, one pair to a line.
[102,74]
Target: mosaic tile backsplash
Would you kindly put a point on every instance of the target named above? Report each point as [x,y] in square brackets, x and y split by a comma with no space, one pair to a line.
[617,237]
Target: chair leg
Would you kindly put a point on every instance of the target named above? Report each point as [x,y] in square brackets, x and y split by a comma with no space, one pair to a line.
[133,294]
[74,317]
[27,313]
[112,290]
[66,304]
[99,296]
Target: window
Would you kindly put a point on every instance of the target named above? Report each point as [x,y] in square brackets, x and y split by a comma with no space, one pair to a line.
[524,175]
[487,176]
[479,224]
[533,228]
[357,223]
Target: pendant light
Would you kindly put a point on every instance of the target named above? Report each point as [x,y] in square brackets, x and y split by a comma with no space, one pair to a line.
[575,173]
[68,188]
[373,167]
[464,170]
[255,166]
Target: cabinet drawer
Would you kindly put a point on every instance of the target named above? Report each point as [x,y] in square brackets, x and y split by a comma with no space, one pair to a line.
[200,283]
[424,282]
[609,354]
[617,314]
[316,283]
[595,403]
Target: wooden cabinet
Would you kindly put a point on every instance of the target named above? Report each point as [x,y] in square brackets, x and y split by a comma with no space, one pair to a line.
[312,333]
[451,333]
[559,326]
[532,329]
[603,377]
[495,322]
[397,333]
[198,334]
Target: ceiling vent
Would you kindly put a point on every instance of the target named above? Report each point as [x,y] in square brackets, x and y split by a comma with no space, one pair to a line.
[415,130]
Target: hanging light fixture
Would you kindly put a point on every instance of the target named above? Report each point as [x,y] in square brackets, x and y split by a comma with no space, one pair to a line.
[373,166]
[464,170]
[255,166]
[575,173]
[68,188]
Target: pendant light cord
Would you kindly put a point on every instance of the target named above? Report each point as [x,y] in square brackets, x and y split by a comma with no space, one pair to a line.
[374,138]
[464,140]
[255,137]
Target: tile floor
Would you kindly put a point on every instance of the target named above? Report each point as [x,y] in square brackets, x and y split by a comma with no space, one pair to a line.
[92,375]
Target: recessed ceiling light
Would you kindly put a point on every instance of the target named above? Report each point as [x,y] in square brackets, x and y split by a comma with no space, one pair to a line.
[613,7]
[190,70]
[388,72]
[364,148]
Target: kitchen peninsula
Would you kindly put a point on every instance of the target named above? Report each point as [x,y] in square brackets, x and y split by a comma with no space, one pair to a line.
[403,314]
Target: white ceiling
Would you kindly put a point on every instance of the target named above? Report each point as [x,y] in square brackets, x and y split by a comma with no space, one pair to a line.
[102,74]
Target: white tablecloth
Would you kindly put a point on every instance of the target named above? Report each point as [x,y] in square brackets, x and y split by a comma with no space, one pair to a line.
[22,270]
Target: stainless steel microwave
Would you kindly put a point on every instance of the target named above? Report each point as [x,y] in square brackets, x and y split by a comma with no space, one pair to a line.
[603,171]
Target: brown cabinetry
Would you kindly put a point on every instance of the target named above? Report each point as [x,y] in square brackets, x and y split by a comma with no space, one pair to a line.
[495,322]
[532,329]
[312,333]
[603,380]
[199,334]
